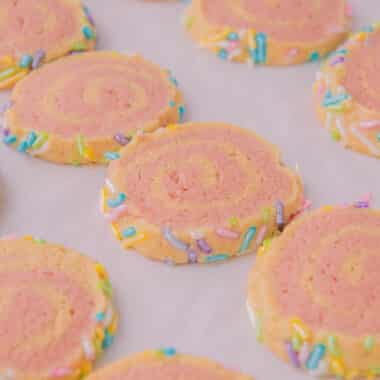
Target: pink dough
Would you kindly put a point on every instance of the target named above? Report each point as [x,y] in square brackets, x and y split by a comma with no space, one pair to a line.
[96,95]
[362,79]
[303,21]
[328,275]
[202,176]
[30,25]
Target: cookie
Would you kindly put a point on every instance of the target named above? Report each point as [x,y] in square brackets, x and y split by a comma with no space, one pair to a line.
[56,314]
[82,109]
[313,293]
[198,193]
[166,364]
[346,93]
[275,32]
[39,31]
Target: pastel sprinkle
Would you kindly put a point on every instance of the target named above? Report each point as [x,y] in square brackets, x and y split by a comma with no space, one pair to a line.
[100,270]
[304,353]
[9,140]
[88,15]
[172,103]
[332,345]
[88,32]
[250,234]
[216,258]
[25,61]
[228,234]
[204,246]
[261,48]
[300,328]
[280,221]
[88,349]
[5,106]
[100,316]
[121,139]
[129,232]
[169,351]
[61,372]
[181,112]
[38,57]
[111,156]
[40,141]
[116,202]
[234,221]
[296,343]
[369,343]
[176,243]
[223,53]
[337,367]
[106,287]
[31,139]
[5,74]
[337,60]
[23,147]
[192,256]
[79,46]
[315,356]
[108,340]
[314,56]
[292,355]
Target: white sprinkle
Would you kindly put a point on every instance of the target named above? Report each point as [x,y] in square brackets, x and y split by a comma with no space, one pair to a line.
[88,349]
[108,318]
[251,314]
[365,141]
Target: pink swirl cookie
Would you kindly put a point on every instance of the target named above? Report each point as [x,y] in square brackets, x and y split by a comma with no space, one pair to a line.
[346,92]
[272,32]
[201,192]
[313,293]
[166,364]
[56,314]
[37,31]
[82,109]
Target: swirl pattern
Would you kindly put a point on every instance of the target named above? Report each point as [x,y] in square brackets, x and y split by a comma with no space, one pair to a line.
[212,196]
[51,307]
[39,31]
[90,105]
[271,31]
[166,364]
[346,93]
[317,287]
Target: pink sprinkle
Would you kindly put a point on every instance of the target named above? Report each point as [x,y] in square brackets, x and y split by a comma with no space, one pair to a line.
[349,11]
[9,237]
[293,52]
[369,124]
[228,234]
[261,236]
[306,204]
[367,197]
[232,45]
[116,214]
[60,372]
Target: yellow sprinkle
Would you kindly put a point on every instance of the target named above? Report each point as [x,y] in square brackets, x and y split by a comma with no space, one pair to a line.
[234,221]
[98,346]
[172,127]
[337,367]
[6,61]
[103,196]
[301,329]
[86,368]
[132,241]
[116,231]
[328,208]
[351,375]
[113,326]
[101,270]
[89,154]
[251,38]
[361,36]
[218,37]
[28,237]
[99,333]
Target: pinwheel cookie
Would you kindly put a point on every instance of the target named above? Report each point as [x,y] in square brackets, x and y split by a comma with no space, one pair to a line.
[37,31]
[276,32]
[166,364]
[56,313]
[82,109]
[314,293]
[346,92]
[200,192]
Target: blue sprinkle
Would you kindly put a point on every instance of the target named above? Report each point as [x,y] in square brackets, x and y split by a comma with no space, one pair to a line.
[315,357]
[31,139]
[9,140]
[107,341]
[176,243]
[261,48]
[113,203]
[129,232]
[173,80]
[250,234]
[25,61]
[170,351]
[215,258]
[223,53]
[368,29]
[233,36]
[172,103]
[330,100]
[23,147]
[111,156]
[181,112]
[39,56]
[378,137]
[88,33]
[100,316]
[314,56]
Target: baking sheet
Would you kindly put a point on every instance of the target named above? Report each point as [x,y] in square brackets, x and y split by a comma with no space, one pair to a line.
[198,309]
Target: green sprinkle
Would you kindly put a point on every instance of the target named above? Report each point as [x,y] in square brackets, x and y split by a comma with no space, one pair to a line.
[296,343]
[234,221]
[332,345]
[369,342]
[39,241]
[41,140]
[7,73]
[106,286]
[378,137]
[259,329]
[80,145]
[79,46]
[266,214]
[189,22]
[335,135]
[375,371]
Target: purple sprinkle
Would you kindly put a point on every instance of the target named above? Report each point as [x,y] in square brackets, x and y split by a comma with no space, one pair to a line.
[5,106]
[6,132]
[88,15]
[121,139]
[337,60]
[293,356]
[203,246]
[362,204]
[192,255]
[280,215]
[39,55]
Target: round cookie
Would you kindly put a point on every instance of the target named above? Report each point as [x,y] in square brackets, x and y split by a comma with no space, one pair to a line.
[38,31]
[198,193]
[82,109]
[56,314]
[313,293]
[166,364]
[346,93]
[274,32]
